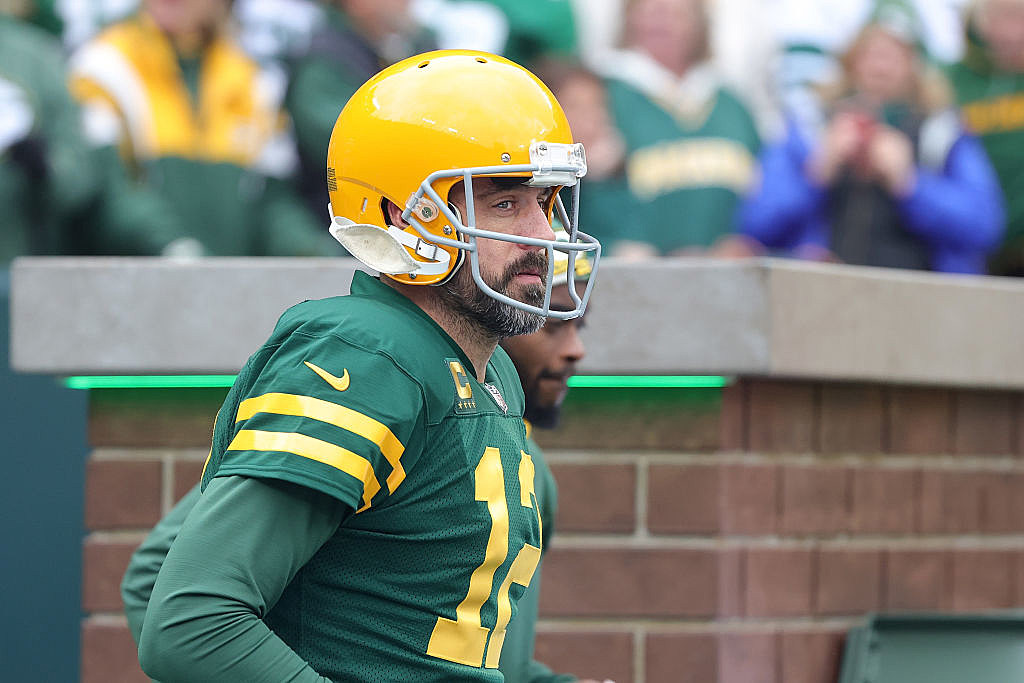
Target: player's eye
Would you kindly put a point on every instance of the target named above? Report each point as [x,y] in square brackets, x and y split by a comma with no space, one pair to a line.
[503,205]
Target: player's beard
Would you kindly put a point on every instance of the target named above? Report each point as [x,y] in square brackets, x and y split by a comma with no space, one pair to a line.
[497,318]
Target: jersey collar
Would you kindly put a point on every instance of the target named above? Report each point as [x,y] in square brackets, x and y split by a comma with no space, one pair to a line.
[364,284]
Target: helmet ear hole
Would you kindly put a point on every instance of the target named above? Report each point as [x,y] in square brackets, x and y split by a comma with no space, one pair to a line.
[392,214]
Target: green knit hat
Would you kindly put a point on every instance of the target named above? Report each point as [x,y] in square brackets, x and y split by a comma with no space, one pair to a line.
[900,19]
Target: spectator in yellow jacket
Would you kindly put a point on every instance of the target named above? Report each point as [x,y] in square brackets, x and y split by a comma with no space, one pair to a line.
[201,123]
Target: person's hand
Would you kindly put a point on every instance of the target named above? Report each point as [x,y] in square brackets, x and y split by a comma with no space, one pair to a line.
[891,157]
[840,146]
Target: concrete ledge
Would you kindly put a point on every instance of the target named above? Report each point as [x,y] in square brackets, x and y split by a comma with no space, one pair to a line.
[141,315]
[840,322]
[764,317]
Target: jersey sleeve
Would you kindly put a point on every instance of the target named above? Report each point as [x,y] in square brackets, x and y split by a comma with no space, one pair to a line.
[328,415]
[235,553]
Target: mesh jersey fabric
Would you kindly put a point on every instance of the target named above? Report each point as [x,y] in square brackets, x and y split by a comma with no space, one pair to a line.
[365,398]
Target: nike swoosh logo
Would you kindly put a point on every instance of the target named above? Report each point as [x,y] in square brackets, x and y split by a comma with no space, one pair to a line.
[339,383]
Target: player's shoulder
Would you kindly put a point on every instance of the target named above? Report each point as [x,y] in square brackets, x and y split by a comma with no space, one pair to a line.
[397,332]
[343,326]
[385,338]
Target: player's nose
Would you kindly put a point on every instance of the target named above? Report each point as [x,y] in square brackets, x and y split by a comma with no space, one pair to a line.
[537,225]
[573,349]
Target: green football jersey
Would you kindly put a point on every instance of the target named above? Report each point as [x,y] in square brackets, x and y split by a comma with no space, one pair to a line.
[365,398]
[690,172]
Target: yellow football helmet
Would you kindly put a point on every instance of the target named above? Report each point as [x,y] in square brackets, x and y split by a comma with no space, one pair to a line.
[421,126]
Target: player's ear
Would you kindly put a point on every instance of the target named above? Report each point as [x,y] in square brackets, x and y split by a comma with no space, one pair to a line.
[394,214]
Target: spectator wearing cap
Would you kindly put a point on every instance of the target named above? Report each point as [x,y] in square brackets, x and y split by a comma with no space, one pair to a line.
[887,175]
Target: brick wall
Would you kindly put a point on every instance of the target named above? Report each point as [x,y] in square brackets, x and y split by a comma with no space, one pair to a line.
[148,450]
[704,536]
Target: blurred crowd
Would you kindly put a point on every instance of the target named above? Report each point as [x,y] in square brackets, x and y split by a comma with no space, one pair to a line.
[873,132]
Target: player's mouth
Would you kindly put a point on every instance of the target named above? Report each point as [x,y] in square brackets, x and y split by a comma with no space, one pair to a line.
[530,266]
[553,379]
[526,277]
[530,276]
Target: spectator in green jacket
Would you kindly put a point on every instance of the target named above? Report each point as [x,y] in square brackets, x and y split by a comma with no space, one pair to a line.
[690,141]
[43,176]
[538,29]
[59,195]
[989,86]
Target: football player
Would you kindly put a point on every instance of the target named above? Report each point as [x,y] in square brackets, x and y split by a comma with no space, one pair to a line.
[369,508]
[544,360]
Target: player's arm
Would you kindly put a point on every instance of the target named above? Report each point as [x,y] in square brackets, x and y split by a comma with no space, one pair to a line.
[137,585]
[235,554]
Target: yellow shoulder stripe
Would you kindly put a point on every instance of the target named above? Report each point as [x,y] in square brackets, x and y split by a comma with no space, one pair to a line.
[339,416]
[314,449]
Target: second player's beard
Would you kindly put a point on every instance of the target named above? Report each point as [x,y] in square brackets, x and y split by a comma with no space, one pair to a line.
[497,318]
[542,416]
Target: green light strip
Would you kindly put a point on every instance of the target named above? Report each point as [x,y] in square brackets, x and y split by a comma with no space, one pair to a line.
[148,381]
[648,381]
[217,381]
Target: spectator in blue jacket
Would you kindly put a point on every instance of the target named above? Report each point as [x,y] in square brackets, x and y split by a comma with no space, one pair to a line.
[887,175]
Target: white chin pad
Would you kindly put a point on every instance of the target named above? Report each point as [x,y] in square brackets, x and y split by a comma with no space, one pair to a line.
[376,248]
